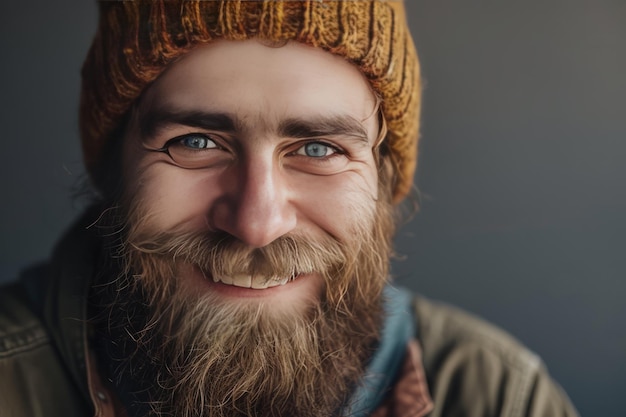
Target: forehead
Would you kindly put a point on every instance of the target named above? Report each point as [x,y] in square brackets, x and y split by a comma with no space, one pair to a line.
[261,85]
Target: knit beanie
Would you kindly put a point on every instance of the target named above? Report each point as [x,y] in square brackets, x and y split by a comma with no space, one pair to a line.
[137,39]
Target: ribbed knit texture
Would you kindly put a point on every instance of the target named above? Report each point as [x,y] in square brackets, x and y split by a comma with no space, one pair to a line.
[136,40]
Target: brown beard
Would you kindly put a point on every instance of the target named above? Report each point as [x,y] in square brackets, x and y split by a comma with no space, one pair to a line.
[189,356]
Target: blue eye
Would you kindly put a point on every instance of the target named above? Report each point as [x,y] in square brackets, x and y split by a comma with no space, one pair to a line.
[197,142]
[195,150]
[316,150]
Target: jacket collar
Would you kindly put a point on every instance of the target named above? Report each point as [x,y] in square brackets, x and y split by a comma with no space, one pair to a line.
[65,306]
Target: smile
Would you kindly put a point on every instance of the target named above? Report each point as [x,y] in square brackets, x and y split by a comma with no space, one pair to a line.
[254,282]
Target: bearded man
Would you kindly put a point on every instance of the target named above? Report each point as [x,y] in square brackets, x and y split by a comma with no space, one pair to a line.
[249,156]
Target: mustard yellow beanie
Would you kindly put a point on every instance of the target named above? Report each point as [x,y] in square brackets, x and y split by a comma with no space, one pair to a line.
[136,40]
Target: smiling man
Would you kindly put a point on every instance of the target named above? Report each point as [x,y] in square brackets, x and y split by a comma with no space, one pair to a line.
[249,156]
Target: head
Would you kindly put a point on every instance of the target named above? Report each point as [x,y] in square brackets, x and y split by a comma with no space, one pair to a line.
[258,182]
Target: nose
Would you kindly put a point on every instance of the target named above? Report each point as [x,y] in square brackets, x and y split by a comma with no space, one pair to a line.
[255,206]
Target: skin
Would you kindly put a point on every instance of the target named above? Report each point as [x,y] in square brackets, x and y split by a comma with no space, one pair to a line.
[265,177]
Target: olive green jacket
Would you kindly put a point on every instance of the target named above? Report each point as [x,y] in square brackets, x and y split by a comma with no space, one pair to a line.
[471,368]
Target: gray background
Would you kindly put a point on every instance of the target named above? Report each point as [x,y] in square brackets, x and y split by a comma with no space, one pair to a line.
[521,167]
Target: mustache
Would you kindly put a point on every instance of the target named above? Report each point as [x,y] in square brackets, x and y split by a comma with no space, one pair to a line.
[220,254]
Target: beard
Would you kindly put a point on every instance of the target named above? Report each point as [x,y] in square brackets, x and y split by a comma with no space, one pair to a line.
[170,351]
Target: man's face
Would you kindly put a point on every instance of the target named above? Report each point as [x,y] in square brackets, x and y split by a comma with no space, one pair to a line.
[284,136]
[259,245]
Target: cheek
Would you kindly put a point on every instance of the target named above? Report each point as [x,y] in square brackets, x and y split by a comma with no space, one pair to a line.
[171,197]
[158,192]
[341,204]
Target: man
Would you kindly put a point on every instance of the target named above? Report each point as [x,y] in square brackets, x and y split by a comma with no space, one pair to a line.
[249,156]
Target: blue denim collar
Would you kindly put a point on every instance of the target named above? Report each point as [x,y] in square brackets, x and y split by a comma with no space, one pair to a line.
[399,328]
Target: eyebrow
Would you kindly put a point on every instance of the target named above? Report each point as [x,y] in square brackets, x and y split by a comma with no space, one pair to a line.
[155,119]
[323,126]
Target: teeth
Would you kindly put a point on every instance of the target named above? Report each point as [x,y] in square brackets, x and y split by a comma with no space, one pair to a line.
[259,283]
[256,282]
[241,280]
[227,280]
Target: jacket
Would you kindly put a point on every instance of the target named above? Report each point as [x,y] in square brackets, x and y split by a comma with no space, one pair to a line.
[456,364]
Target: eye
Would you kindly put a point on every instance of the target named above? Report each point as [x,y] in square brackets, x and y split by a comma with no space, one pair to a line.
[316,150]
[195,141]
[195,150]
